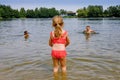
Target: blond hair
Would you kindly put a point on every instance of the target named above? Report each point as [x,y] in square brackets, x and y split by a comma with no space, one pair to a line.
[57,24]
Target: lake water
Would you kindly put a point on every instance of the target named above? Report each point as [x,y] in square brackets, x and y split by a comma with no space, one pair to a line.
[94,57]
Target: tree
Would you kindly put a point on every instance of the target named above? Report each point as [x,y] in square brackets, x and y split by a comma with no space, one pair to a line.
[95,11]
[1,12]
[15,14]
[106,13]
[6,11]
[63,12]
[114,11]
[82,12]
[22,13]
[43,12]
[52,12]
[37,13]
[30,14]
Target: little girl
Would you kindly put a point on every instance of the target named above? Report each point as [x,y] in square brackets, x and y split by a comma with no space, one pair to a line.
[59,40]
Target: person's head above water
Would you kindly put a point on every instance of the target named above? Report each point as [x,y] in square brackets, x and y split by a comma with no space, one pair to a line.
[87,27]
[25,32]
[26,35]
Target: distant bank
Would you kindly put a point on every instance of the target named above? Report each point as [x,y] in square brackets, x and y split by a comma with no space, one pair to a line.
[42,12]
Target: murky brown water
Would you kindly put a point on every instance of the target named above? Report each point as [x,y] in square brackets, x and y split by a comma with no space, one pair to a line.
[94,58]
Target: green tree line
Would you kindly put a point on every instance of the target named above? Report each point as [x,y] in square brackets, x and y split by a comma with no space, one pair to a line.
[42,12]
[8,12]
[97,11]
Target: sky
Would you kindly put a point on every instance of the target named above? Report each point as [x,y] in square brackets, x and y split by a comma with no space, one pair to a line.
[69,5]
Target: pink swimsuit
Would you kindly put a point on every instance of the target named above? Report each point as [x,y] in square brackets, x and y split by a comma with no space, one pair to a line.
[59,53]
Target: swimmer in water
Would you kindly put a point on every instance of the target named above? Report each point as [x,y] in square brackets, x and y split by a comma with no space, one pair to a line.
[88,30]
[26,35]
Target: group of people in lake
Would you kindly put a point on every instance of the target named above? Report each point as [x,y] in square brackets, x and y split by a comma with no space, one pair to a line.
[87,31]
[58,41]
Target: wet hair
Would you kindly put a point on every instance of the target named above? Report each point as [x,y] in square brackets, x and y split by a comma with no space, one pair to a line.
[57,23]
[87,26]
[25,32]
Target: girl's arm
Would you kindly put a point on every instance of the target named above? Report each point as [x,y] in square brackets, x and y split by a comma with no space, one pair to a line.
[50,42]
[67,41]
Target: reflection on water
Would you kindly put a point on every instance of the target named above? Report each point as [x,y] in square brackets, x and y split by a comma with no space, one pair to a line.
[60,76]
[98,58]
[87,36]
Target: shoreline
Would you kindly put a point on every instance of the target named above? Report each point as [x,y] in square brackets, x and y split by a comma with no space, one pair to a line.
[65,17]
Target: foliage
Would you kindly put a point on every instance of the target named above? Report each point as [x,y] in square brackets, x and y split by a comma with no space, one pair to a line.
[82,12]
[91,11]
[63,12]
[8,12]
[42,12]
[114,11]
[5,11]
[97,11]
[30,13]
[22,13]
